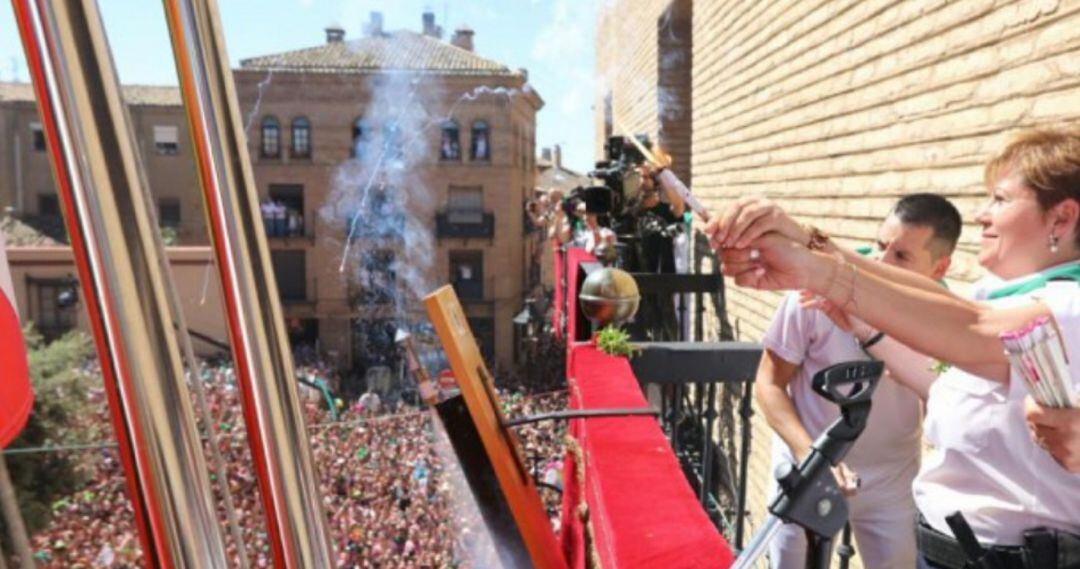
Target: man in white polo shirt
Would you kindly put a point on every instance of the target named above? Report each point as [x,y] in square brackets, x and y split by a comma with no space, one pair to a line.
[919,235]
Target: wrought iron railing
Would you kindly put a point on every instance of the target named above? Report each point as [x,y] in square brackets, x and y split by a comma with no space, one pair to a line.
[464,224]
[703,389]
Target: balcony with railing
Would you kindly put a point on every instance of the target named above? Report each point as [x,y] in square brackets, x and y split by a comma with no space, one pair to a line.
[464,224]
[286,226]
[697,488]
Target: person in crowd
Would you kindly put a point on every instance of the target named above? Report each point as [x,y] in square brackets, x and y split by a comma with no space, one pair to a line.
[561,228]
[659,219]
[919,235]
[591,235]
[1003,467]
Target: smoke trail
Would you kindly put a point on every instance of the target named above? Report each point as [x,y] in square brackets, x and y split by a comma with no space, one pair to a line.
[258,101]
[390,168]
[475,545]
[383,200]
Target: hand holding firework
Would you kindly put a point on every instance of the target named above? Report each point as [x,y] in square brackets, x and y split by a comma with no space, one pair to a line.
[668,180]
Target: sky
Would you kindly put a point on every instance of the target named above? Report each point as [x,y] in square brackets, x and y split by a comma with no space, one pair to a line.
[552,39]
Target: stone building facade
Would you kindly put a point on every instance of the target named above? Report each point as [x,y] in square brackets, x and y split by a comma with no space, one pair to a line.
[457,171]
[838,108]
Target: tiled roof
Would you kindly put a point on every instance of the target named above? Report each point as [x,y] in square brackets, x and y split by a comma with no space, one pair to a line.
[402,50]
[551,177]
[20,233]
[150,95]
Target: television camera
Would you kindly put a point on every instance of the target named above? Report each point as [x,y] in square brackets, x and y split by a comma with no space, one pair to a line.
[617,199]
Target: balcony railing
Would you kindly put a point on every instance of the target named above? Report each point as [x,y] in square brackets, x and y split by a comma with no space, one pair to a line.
[465,224]
[296,236]
[703,390]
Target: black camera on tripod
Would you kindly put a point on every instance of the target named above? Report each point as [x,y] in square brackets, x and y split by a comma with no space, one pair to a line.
[618,197]
[619,187]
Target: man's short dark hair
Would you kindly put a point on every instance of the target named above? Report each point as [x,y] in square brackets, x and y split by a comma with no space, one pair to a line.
[935,212]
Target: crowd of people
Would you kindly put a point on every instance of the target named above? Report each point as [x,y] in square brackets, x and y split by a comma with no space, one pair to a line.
[391,488]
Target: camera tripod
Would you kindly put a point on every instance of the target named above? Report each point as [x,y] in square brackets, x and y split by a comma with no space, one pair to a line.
[809,495]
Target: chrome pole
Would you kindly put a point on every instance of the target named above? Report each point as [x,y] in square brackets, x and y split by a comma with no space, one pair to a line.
[758,544]
[295,515]
[102,186]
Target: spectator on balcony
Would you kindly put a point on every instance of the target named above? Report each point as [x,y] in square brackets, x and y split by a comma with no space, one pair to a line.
[588,233]
[1007,464]
[480,141]
[293,223]
[267,210]
[450,147]
[919,235]
[559,227]
[539,211]
[282,219]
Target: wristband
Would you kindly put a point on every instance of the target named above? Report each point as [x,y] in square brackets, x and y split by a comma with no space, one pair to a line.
[869,343]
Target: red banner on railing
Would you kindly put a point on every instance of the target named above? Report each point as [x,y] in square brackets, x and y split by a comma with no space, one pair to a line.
[626,501]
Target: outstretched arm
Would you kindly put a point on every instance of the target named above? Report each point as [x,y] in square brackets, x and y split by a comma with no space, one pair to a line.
[908,367]
[934,322]
[748,219]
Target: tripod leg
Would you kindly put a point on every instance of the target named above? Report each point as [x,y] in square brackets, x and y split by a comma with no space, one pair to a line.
[845,551]
[818,551]
[759,543]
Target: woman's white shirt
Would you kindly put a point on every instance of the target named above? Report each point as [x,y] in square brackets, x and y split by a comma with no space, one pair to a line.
[984,462]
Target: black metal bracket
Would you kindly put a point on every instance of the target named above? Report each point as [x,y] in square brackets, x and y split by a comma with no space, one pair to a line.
[582,414]
[687,362]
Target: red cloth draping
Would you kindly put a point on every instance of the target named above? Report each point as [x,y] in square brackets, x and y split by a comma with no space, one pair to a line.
[642,510]
[560,295]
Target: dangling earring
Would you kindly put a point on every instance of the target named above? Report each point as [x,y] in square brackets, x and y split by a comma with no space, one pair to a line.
[1053,243]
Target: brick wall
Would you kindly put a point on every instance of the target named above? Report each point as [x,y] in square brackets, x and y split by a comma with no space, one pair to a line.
[643,60]
[837,107]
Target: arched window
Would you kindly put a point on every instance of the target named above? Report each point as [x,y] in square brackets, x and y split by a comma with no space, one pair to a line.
[361,135]
[271,137]
[481,142]
[301,138]
[450,148]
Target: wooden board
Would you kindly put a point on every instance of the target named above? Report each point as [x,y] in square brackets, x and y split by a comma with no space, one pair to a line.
[499,443]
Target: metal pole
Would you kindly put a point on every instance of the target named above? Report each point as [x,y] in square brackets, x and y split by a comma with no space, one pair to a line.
[706,446]
[756,548]
[102,191]
[297,522]
[745,414]
[20,539]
